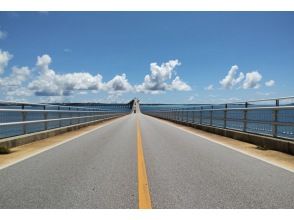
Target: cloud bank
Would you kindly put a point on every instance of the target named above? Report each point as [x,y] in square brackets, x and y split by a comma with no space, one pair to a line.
[45,81]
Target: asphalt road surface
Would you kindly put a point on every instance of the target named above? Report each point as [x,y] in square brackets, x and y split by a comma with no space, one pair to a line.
[99,170]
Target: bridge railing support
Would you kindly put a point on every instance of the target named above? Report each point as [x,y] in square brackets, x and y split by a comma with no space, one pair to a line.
[237,118]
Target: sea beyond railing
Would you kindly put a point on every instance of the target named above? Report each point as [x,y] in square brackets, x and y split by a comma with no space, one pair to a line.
[271,117]
[18,118]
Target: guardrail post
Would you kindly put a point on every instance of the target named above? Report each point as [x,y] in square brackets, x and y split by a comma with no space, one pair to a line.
[182,114]
[200,120]
[70,115]
[275,120]
[193,116]
[245,117]
[24,118]
[211,116]
[79,115]
[225,116]
[45,118]
[59,116]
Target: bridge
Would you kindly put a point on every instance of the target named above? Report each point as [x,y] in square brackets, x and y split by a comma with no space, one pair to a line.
[147,156]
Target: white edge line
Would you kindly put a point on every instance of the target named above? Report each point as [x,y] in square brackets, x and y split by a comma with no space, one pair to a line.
[56,145]
[225,145]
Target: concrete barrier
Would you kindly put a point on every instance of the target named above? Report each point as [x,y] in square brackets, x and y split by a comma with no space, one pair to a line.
[282,145]
[29,138]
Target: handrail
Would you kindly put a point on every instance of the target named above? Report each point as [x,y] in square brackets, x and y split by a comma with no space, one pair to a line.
[229,109]
[276,121]
[49,105]
[49,120]
[40,110]
[227,103]
[23,118]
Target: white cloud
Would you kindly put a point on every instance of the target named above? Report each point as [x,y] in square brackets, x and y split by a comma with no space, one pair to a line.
[16,78]
[119,83]
[252,80]
[270,83]
[209,87]
[178,84]
[55,99]
[3,35]
[50,83]
[19,92]
[158,79]
[19,75]
[248,81]
[230,80]
[5,56]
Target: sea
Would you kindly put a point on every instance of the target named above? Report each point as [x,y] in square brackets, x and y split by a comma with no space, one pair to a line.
[258,121]
[15,130]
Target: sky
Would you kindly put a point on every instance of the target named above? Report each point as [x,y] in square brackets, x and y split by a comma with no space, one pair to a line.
[159,57]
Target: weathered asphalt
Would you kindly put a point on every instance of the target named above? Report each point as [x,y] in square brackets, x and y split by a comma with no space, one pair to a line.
[99,170]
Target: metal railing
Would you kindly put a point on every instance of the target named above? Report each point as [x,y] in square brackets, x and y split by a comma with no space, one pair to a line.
[276,121]
[23,118]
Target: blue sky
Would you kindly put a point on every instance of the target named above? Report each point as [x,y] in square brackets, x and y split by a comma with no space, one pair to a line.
[188,57]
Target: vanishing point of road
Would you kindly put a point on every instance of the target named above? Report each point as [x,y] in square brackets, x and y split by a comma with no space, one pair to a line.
[138,161]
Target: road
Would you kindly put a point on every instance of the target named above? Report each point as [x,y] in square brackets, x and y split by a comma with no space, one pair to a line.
[99,170]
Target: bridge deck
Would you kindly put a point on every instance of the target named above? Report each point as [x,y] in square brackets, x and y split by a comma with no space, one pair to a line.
[99,170]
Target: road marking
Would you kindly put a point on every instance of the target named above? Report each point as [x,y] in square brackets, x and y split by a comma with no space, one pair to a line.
[143,188]
[222,144]
[60,143]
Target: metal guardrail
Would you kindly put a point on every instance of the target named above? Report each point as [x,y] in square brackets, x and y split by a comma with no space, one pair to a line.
[275,121]
[22,119]
[283,101]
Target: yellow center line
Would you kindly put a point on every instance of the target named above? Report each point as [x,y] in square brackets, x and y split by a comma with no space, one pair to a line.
[143,188]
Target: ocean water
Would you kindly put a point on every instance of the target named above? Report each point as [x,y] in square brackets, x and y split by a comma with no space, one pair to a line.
[234,118]
[14,130]
[258,121]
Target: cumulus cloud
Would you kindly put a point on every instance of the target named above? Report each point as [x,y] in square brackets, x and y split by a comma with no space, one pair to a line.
[179,85]
[119,83]
[3,34]
[19,75]
[5,56]
[158,79]
[19,92]
[49,83]
[209,87]
[230,79]
[270,83]
[252,80]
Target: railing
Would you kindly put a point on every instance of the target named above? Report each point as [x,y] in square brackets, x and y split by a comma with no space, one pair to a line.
[276,121]
[23,118]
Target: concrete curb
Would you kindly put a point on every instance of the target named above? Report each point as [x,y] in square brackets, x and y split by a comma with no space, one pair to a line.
[29,138]
[270,143]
